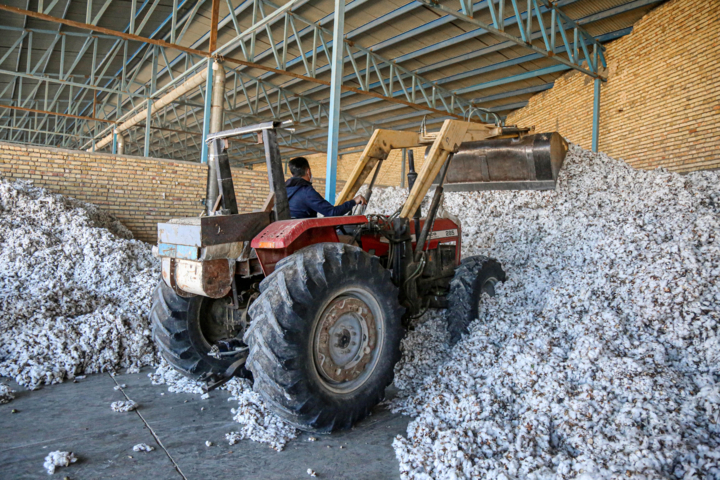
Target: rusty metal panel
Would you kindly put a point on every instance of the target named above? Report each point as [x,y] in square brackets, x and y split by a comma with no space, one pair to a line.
[210,278]
[213,230]
[249,267]
[242,227]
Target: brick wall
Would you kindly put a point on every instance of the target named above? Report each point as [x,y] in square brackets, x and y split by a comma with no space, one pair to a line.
[661,103]
[139,191]
[389,173]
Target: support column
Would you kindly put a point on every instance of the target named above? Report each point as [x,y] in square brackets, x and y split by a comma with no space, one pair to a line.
[596,116]
[114,145]
[402,168]
[148,121]
[206,111]
[335,91]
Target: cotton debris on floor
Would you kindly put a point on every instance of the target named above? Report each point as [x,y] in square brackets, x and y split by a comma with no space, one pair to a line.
[127,406]
[600,355]
[58,459]
[257,422]
[143,447]
[75,289]
[6,394]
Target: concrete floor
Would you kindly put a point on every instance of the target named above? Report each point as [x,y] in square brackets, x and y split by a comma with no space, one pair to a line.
[76,417]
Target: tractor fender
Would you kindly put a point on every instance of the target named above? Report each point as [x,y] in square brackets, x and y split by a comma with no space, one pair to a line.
[285,237]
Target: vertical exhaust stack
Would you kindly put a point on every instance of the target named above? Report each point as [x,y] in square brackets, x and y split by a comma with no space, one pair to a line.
[216,125]
[531,162]
[120,144]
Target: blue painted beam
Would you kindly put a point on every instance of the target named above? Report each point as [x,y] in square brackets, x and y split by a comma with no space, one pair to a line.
[336,80]
[206,112]
[596,116]
[148,121]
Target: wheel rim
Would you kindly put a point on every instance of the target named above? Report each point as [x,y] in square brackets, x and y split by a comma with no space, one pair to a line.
[488,286]
[347,340]
[217,321]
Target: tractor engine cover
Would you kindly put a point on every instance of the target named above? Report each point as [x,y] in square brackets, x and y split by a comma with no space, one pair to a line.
[531,162]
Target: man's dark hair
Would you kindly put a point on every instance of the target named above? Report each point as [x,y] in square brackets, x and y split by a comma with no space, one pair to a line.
[298,166]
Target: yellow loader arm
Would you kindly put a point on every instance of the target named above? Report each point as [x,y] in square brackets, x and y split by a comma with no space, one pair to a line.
[444,142]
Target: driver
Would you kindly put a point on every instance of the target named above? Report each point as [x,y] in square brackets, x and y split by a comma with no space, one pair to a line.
[304,201]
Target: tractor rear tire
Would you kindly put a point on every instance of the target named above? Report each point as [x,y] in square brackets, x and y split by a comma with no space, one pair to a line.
[180,328]
[325,336]
[475,276]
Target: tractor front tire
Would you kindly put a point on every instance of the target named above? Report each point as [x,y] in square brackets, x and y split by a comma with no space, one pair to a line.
[184,330]
[325,336]
[475,276]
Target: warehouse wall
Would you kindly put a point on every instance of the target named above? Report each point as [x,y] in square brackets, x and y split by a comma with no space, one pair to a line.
[139,191]
[661,104]
[389,173]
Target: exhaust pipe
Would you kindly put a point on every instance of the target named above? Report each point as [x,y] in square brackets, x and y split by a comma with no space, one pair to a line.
[531,162]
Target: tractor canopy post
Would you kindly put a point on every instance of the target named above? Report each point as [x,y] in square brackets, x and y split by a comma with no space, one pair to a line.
[218,150]
[276,178]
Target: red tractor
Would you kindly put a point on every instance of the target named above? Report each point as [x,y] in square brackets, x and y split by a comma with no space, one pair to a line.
[316,322]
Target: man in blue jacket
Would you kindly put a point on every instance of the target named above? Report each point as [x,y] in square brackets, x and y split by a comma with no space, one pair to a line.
[304,201]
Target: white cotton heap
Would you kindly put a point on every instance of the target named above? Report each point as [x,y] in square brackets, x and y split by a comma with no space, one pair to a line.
[258,422]
[58,459]
[127,406]
[6,394]
[176,382]
[600,355]
[75,289]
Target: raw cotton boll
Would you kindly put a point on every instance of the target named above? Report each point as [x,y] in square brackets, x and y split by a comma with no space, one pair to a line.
[58,459]
[258,422]
[177,383]
[143,447]
[128,406]
[6,394]
[598,357]
[75,287]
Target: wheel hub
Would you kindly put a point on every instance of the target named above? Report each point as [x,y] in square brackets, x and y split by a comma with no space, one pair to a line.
[345,339]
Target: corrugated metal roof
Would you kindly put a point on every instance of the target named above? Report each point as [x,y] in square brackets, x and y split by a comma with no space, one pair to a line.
[445,50]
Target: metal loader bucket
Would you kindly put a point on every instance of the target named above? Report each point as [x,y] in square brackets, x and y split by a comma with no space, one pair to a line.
[531,162]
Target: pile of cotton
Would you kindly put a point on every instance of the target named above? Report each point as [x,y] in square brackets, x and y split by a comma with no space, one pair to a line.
[75,289]
[599,357]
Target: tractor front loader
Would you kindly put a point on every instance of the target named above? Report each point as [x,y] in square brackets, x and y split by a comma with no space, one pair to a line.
[316,322]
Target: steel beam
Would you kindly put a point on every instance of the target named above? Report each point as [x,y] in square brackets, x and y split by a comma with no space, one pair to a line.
[148,122]
[335,90]
[206,112]
[596,115]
